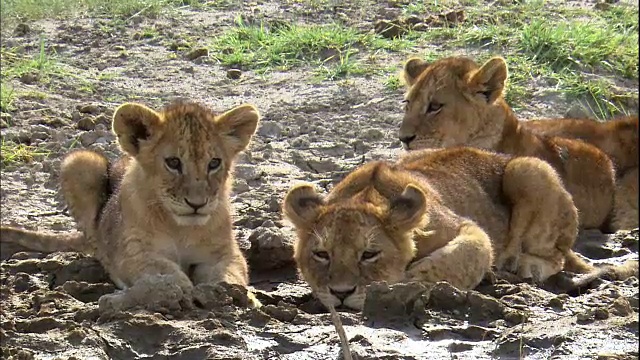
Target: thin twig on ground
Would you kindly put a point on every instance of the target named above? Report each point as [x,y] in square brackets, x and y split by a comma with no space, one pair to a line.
[344,343]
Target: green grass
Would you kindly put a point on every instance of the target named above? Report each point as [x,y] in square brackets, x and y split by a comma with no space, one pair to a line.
[331,48]
[579,44]
[25,10]
[7,97]
[12,153]
[15,65]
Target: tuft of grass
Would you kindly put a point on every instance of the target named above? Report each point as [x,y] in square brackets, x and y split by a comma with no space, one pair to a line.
[12,153]
[330,47]
[29,10]
[41,65]
[580,44]
[7,97]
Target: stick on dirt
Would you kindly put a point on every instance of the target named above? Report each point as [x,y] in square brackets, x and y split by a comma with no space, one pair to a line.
[344,343]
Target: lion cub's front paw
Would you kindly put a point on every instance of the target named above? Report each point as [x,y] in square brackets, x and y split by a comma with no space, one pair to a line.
[508,261]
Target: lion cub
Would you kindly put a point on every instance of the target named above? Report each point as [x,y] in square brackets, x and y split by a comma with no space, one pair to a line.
[164,208]
[618,138]
[434,215]
[454,102]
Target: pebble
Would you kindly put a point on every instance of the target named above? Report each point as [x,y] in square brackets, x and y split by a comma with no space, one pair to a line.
[270,129]
[197,53]
[234,74]
[88,138]
[86,124]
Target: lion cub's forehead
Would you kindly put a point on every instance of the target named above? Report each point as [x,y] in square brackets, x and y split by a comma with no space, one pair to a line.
[346,227]
[190,129]
[442,73]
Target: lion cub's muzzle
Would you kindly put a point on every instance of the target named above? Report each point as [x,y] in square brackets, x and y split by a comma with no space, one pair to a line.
[343,296]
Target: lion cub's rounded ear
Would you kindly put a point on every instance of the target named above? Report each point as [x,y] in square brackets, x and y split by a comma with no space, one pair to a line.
[412,69]
[302,205]
[490,79]
[133,123]
[407,211]
[238,125]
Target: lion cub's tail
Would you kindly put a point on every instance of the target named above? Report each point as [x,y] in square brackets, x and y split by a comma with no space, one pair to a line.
[576,264]
[44,242]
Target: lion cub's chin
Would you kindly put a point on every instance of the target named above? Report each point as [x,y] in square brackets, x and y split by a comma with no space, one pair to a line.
[191,220]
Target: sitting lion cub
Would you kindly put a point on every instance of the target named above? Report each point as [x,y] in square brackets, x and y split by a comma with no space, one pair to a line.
[455,102]
[434,215]
[164,209]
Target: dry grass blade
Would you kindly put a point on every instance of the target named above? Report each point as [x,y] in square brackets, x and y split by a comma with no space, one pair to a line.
[344,343]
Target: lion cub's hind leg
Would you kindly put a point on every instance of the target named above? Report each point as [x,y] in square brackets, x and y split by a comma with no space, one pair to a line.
[544,220]
[625,213]
[84,184]
[463,262]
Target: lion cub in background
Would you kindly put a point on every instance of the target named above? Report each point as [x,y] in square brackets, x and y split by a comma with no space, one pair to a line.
[455,102]
[434,215]
[164,209]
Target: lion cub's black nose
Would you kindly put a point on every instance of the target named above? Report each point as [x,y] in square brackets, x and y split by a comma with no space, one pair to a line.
[407,139]
[342,294]
[194,205]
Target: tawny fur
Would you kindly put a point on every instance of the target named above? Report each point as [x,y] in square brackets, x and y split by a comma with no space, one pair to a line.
[455,102]
[135,215]
[618,138]
[434,215]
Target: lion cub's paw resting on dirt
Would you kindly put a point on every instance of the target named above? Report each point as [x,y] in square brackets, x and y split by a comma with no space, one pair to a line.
[432,216]
[169,214]
[456,102]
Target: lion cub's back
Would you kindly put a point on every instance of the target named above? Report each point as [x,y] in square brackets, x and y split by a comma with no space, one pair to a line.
[469,181]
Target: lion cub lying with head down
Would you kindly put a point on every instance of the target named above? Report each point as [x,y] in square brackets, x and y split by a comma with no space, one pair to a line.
[455,102]
[434,215]
[164,208]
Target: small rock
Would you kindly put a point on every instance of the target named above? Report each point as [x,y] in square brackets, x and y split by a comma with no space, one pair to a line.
[102,119]
[89,109]
[234,74]
[602,6]
[29,78]
[247,172]
[23,282]
[240,186]
[455,17]
[446,296]
[270,129]
[514,316]
[283,312]
[389,303]
[586,316]
[88,138]
[413,20]
[390,29]
[21,29]
[621,307]
[197,53]
[86,124]
[601,313]
[373,134]
[556,303]
[274,204]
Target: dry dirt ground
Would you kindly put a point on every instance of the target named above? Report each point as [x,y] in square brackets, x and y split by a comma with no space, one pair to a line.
[310,131]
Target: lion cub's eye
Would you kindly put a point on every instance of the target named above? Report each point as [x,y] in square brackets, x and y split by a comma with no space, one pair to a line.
[173,164]
[214,164]
[433,107]
[370,255]
[321,256]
